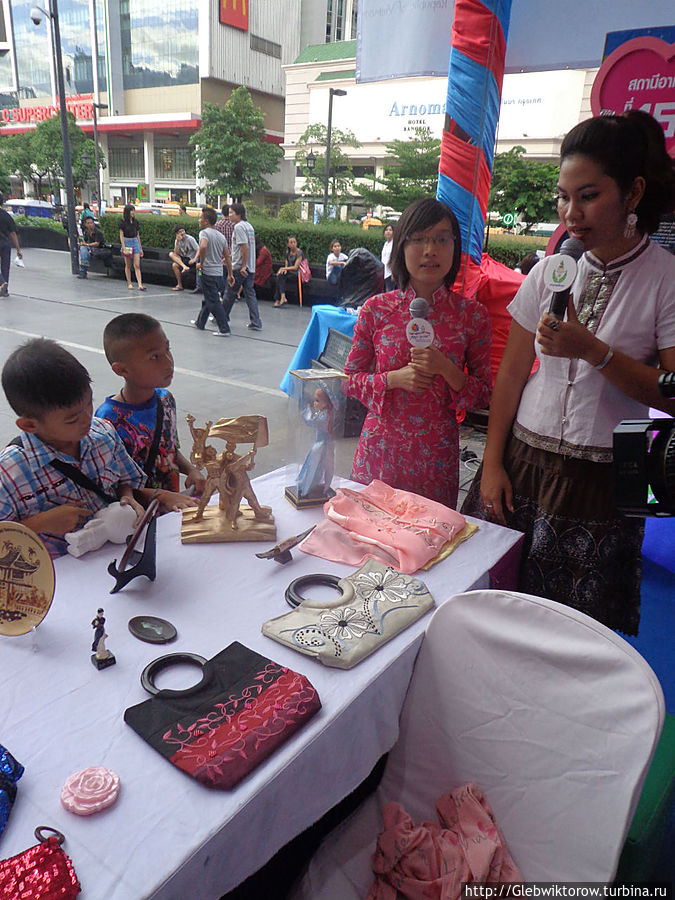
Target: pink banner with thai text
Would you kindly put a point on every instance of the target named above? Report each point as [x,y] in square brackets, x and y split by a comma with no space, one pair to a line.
[639,74]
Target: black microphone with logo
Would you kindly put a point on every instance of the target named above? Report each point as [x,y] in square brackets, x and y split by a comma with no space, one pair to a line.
[574,248]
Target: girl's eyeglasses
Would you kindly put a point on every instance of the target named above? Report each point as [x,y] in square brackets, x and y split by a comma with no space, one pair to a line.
[438,240]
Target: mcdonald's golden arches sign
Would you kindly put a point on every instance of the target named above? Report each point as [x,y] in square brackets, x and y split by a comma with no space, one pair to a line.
[234,13]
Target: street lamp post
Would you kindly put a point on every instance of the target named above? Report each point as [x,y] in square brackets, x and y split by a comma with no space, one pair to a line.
[334,92]
[98,164]
[36,15]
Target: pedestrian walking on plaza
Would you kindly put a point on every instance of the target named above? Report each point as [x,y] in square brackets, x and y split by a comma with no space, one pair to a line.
[241,271]
[92,245]
[213,255]
[131,248]
[225,226]
[8,236]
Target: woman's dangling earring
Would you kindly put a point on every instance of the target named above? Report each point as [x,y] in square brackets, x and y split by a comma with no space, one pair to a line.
[631,222]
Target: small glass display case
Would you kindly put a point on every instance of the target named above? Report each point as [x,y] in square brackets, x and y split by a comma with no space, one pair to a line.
[316,416]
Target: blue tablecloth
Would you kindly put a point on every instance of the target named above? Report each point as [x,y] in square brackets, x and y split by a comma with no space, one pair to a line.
[314,338]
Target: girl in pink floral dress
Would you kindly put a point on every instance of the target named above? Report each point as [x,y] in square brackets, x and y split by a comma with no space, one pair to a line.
[410,436]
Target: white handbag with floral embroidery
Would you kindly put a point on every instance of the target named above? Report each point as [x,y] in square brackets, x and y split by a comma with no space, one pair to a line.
[376,603]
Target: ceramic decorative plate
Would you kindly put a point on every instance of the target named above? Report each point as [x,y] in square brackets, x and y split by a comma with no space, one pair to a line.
[26,579]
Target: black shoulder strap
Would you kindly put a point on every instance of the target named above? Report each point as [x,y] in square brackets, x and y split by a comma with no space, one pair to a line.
[73,473]
[149,467]
[78,476]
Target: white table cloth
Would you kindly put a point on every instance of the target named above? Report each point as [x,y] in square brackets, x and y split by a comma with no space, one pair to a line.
[168,836]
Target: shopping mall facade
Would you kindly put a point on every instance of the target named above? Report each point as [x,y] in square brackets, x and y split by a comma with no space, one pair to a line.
[157,65]
[537,108]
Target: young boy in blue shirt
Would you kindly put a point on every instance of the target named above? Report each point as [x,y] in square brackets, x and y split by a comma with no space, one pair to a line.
[143,412]
[65,465]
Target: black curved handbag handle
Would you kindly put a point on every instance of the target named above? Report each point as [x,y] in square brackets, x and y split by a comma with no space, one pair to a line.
[293,596]
[158,665]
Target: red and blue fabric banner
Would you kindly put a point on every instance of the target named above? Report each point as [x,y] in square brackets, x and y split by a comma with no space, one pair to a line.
[476,72]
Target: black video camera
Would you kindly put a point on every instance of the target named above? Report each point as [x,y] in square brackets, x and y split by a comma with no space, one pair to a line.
[644,462]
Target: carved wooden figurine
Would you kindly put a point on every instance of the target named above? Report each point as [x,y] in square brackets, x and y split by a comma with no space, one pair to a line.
[227,474]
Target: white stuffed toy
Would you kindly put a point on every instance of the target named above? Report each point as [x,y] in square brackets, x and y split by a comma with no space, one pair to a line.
[112,523]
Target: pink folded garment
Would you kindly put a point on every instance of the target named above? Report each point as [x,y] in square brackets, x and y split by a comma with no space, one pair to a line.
[398,528]
[431,861]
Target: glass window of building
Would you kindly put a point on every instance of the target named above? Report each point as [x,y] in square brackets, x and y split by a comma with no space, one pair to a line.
[159,43]
[338,19]
[126,163]
[174,164]
[329,20]
[33,48]
[33,52]
[6,81]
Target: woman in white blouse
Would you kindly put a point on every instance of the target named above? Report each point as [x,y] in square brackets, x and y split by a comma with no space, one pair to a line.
[385,256]
[547,468]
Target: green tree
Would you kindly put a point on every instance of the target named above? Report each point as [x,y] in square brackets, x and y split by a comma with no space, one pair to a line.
[411,173]
[230,149]
[16,158]
[341,181]
[523,186]
[47,148]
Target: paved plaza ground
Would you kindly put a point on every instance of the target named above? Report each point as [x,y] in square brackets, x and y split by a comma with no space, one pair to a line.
[214,377]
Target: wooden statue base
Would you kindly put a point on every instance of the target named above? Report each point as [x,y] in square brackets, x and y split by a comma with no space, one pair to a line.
[214,528]
[311,499]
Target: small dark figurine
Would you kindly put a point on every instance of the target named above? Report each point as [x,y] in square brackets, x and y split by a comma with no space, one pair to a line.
[101,658]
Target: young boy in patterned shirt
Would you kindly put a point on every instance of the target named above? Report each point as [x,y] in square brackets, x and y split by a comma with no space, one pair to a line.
[143,412]
[65,465]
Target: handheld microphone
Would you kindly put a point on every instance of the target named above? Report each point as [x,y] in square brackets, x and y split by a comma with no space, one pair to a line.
[562,270]
[419,331]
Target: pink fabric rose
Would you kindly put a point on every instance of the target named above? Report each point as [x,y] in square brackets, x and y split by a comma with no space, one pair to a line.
[90,790]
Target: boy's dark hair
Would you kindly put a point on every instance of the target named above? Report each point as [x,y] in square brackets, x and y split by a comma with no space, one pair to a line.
[420,215]
[225,210]
[123,329]
[239,209]
[209,214]
[40,376]
[177,228]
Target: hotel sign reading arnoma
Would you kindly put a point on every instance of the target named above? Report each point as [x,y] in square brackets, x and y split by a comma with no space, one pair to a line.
[80,105]
[234,13]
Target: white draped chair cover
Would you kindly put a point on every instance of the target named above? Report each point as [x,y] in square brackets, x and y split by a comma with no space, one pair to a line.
[552,715]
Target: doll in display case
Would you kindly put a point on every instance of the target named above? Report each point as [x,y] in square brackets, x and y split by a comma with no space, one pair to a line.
[317,397]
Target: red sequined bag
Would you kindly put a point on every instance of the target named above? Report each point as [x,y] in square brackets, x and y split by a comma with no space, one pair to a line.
[42,872]
[219,730]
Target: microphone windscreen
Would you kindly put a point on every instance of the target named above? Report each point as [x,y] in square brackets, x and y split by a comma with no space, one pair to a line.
[572,247]
[419,308]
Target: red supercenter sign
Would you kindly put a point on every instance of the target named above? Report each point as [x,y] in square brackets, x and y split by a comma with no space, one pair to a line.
[80,105]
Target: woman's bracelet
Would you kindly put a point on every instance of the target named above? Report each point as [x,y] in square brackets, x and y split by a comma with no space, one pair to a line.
[605,360]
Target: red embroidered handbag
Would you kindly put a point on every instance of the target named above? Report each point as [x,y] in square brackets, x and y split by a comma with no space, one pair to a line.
[220,729]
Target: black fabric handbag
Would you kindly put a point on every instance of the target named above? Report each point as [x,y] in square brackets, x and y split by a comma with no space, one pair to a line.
[217,731]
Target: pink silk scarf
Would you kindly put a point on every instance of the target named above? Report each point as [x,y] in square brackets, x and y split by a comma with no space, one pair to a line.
[395,527]
[432,861]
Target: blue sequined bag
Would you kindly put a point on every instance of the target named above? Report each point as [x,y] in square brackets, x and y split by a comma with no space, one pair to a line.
[10,772]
